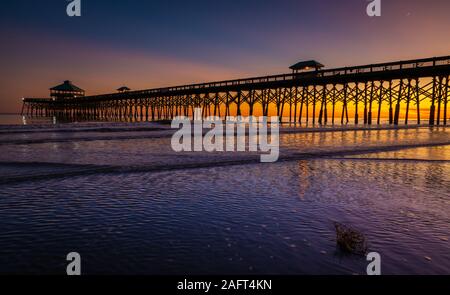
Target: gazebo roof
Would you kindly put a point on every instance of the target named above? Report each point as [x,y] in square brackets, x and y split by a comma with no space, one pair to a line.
[67,86]
[305,65]
[123,88]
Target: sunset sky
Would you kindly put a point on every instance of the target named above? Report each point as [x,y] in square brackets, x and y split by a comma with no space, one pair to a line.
[146,44]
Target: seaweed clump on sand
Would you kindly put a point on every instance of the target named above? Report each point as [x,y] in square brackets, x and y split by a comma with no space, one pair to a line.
[350,240]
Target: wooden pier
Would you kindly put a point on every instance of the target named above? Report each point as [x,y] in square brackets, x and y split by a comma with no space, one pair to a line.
[317,97]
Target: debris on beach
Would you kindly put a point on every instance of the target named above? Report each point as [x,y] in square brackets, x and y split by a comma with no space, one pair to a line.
[350,240]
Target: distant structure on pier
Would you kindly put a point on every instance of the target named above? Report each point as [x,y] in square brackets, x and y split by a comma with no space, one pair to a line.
[306,66]
[123,89]
[66,91]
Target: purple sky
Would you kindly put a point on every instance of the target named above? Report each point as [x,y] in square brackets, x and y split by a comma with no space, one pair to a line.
[145,44]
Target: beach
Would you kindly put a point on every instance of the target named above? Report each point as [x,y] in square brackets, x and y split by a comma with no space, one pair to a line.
[121,197]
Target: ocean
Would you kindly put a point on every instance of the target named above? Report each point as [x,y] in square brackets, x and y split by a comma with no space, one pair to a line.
[117,194]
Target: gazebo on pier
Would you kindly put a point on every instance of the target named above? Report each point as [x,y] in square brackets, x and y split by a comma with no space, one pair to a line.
[306,66]
[67,90]
[123,89]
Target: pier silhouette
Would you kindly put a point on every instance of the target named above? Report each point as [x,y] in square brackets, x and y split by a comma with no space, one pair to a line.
[309,94]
